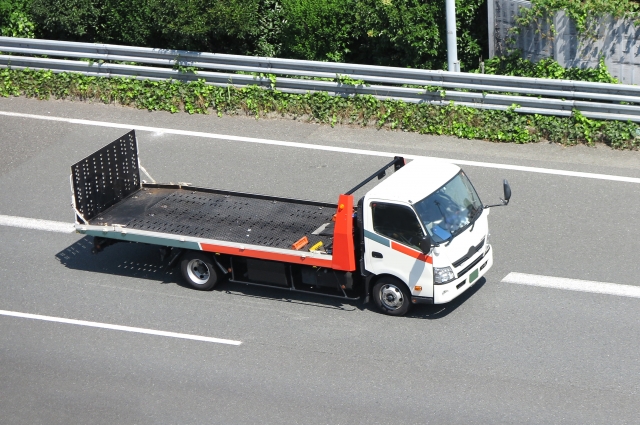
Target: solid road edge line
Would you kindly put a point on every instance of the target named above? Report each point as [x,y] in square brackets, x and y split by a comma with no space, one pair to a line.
[324,147]
[118,327]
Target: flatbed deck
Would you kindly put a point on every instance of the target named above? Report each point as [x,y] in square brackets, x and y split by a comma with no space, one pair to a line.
[220,215]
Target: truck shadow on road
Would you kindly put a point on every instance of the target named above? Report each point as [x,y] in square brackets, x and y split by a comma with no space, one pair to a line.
[286,296]
[143,262]
[123,259]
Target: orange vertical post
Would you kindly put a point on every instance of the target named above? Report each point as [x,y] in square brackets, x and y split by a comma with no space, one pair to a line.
[344,255]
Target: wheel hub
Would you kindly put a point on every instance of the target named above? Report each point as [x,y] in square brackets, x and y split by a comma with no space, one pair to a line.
[198,271]
[391,297]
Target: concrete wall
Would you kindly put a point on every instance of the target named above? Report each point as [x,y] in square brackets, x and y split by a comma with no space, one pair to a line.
[618,41]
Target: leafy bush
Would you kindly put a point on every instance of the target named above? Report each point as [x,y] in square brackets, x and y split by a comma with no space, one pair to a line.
[318,29]
[222,26]
[405,33]
[15,19]
[382,32]
[198,97]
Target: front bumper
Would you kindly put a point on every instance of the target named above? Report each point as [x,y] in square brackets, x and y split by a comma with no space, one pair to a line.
[421,300]
[447,292]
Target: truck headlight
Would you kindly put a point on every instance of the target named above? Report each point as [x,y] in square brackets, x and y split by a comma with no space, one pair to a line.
[442,275]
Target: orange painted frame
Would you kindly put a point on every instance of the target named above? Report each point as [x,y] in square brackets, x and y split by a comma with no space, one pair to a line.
[344,254]
[266,255]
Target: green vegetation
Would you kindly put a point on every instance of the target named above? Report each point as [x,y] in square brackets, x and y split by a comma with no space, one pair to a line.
[15,19]
[406,33]
[197,97]
[546,68]
[381,32]
[585,13]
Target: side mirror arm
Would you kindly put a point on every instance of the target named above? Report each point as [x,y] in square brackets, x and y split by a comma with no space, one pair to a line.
[502,203]
[507,196]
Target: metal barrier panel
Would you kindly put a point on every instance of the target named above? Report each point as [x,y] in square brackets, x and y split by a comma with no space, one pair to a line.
[106,177]
[618,40]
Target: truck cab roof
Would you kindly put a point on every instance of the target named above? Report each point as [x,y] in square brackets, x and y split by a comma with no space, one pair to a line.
[415,181]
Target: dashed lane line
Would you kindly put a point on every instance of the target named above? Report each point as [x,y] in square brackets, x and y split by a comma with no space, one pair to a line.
[573,284]
[118,327]
[160,130]
[36,224]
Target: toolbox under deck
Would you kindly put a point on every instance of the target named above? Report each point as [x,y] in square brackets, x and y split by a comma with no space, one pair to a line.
[220,215]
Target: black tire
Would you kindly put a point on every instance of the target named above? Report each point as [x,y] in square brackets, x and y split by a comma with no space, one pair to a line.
[391,296]
[199,270]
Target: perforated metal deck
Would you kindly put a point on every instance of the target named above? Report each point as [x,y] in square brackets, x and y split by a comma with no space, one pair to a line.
[202,213]
[106,177]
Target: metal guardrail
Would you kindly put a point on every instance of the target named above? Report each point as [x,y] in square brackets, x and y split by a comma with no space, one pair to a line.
[531,95]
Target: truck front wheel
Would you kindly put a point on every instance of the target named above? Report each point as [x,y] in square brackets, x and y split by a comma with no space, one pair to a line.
[391,296]
[199,271]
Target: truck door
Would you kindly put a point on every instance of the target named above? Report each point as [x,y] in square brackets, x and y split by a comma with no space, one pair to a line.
[392,233]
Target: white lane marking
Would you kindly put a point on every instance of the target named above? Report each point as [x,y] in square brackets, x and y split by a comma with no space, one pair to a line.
[159,130]
[573,284]
[36,224]
[119,327]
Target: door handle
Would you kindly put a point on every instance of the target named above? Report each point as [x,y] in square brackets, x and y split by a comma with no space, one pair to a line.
[375,254]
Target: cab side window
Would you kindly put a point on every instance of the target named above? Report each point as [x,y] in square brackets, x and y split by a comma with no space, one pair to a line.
[396,222]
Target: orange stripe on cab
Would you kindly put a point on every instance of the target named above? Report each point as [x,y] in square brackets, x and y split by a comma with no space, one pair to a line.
[411,252]
[309,260]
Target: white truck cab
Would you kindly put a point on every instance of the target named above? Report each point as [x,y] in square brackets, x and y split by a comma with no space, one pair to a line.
[425,235]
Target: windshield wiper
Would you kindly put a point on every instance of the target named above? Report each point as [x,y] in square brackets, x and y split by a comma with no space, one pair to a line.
[471,223]
[475,216]
[458,231]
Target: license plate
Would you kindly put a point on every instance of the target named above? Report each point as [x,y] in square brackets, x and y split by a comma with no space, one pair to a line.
[473,276]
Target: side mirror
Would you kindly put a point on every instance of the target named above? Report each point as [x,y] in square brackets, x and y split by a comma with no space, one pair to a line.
[507,195]
[425,244]
[507,190]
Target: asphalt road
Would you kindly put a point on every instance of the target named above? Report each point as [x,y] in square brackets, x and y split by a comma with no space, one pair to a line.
[502,353]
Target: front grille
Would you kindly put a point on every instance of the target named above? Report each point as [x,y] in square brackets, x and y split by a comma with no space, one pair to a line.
[469,254]
[470,266]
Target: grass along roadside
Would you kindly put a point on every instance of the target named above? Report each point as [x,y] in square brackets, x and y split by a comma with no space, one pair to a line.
[198,97]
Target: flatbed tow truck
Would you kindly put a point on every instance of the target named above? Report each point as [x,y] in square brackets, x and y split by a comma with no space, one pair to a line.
[418,237]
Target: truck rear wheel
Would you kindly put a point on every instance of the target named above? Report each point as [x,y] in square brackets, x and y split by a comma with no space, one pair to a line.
[198,270]
[391,296]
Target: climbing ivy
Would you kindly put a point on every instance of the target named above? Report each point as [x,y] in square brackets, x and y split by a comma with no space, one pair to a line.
[585,13]
[515,65]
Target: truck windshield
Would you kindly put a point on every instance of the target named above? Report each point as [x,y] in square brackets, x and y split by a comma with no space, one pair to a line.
[450,209]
